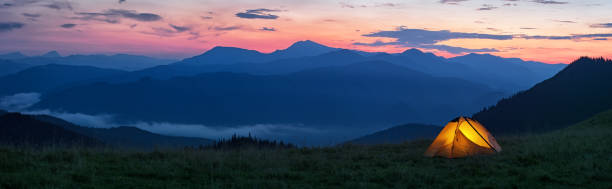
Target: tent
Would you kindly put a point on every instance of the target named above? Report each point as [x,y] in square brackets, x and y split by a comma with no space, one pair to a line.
[463,137]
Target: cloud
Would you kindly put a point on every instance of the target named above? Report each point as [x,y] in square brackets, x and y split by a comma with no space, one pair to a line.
[113,16]
[59,5]
[121,1]
[8,26]
[527,28]
[494,29]
[566,21]
[549,2]
[86,120]
[68,25]
[387,5]
[206,17]
[258,14]
[429,39]
[407,36]
[452,2]
[19,101]
[143,17]
[487,7]
[173,31]
[228,28]
[346,5]
[31,15]
[179,28]
[566,37]
[602,25]
[267,29]
[457,50]
[17,3]
[286,132]
[601,39]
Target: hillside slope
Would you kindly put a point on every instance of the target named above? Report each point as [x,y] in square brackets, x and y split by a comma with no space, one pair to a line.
[581,90]
[42,79]
[128,137]
[399,134]
[18,129]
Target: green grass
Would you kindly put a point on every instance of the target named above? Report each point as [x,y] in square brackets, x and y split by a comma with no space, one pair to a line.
[577,157]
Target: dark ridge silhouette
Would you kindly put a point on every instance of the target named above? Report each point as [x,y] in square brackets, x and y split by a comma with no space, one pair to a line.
[128,137]
[399,134]
[250,142]
[580,91]
[42,79]
[18,129]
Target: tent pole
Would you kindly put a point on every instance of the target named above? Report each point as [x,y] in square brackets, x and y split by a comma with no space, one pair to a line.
[480,135]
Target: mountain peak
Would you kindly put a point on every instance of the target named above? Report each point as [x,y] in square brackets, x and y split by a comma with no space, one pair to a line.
[413,51]
[481,55]
[306,44]
[51,54]
[304,48]
[221,50]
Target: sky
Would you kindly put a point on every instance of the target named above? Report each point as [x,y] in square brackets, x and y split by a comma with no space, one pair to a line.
[551,31]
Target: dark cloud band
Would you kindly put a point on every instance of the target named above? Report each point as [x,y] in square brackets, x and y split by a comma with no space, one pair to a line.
[8,26]
[68,25]
[114,15]
[429,38]
[258,14]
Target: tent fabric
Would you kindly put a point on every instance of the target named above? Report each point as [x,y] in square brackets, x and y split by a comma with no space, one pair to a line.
[463,137]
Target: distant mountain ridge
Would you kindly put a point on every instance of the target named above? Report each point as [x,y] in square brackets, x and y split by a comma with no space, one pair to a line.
[12,56]
[513,73]
[507,74]
[232,55]
[124,62]
[580,91]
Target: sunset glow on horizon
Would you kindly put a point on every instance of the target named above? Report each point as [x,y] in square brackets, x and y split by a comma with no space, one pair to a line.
[547,31]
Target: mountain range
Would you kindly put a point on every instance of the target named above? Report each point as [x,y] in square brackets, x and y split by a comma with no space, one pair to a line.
[509,75]
[365,93]
[305,84]
[123,62]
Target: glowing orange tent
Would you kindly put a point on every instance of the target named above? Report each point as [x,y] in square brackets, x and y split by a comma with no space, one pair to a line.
[463,137]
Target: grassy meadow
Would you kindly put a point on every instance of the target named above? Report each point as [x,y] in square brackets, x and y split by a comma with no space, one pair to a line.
[577,157]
